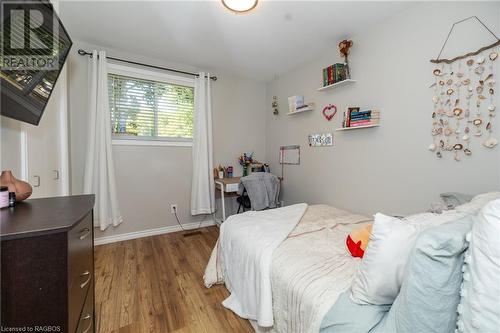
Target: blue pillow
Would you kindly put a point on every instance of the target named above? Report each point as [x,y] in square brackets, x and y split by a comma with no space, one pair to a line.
[345,316]
[430,292]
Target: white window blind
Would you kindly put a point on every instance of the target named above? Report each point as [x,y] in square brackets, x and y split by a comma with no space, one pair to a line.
[147,109]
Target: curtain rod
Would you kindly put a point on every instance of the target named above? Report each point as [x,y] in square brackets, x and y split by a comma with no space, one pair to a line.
[85,53]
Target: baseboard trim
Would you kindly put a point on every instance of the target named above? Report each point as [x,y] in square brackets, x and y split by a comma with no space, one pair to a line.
[150,232]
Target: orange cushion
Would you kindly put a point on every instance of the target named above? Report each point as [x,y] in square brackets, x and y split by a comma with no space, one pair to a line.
[357,240]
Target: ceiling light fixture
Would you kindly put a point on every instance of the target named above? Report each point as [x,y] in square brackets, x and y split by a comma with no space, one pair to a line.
[240,6]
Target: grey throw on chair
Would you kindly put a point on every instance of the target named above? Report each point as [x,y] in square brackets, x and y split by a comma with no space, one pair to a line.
[263,190]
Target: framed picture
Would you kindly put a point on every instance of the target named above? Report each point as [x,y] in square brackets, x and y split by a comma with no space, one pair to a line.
[290,155]
[320,140]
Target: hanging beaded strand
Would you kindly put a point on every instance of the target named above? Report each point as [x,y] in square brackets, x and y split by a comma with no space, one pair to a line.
[458,111]
[490,85]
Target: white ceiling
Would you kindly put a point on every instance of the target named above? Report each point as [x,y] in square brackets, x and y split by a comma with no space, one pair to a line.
[275,38]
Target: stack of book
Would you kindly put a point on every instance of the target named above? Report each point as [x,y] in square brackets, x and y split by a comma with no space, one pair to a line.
[333,74]
[355,118]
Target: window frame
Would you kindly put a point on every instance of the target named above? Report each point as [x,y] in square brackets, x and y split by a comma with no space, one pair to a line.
[152,75]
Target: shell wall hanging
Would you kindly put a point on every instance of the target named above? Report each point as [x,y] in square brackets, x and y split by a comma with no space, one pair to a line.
[464,100]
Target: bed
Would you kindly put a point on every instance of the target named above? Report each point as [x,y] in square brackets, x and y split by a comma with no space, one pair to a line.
[291,263]
[305,280]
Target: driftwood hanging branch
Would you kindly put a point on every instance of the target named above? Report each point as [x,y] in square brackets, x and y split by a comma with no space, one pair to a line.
[470,54]
[449,61]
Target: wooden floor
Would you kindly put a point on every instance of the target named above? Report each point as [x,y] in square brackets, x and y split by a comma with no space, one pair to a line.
[155,284]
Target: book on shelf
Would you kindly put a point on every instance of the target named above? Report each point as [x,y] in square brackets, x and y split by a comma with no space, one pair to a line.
[295,102]
[353,117]
[333,74]
[364,123]
[340,74]
[366,117]
[369,113]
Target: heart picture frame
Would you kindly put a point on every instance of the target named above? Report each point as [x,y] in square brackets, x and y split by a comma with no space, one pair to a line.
[328,113]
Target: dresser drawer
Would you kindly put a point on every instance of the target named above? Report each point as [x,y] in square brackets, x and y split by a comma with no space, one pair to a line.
[80,268]
[80,251]
[76,302]
[86,322]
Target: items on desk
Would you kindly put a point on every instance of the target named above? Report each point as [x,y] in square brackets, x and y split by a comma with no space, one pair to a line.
[260,167]
[229,172]
[219,172]
[223,172]
[245,160]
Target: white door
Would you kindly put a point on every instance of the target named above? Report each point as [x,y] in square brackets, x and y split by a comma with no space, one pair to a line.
[45,157]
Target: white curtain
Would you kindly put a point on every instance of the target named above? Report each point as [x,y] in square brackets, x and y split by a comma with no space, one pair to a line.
[202,188]
[99,176]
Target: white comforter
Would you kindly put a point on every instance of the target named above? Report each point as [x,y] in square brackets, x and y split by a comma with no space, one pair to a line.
[245,251]
[309,269]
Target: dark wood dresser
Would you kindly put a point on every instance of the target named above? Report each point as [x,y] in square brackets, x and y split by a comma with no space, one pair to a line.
[47,265]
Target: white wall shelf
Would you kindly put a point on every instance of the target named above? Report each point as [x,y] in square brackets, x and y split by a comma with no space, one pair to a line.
[337,84]
[300,111]
[356,127]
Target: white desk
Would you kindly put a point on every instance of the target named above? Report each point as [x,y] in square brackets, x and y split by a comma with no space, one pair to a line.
[228,187]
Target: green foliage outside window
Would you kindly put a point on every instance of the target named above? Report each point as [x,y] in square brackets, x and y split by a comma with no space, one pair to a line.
[146,108]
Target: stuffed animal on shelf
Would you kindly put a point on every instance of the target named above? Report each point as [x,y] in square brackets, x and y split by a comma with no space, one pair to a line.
[358,239]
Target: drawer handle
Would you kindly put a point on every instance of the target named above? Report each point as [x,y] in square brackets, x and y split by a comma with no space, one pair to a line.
[86,273]
[86,232]
[88,317]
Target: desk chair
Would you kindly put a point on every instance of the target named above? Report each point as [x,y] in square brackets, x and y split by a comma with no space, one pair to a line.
[244,201]
[258,191]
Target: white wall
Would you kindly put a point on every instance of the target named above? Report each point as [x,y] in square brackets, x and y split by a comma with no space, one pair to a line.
[10,149]
[386,169]
[149,179]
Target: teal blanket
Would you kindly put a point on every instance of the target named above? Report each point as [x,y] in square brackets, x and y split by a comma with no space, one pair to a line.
[345,316]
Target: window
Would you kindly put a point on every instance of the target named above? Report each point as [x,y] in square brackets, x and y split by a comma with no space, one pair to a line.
[150,106]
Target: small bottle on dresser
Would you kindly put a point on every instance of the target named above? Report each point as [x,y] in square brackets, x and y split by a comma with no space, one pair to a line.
[12,199]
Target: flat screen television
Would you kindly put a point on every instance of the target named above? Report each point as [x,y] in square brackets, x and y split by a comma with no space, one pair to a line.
[34,49]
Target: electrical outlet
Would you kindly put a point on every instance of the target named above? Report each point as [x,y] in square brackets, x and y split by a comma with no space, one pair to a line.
[173,208]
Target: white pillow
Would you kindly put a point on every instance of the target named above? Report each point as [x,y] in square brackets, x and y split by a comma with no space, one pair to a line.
[479,308]
[478,202]
[426,220]
[380,273]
